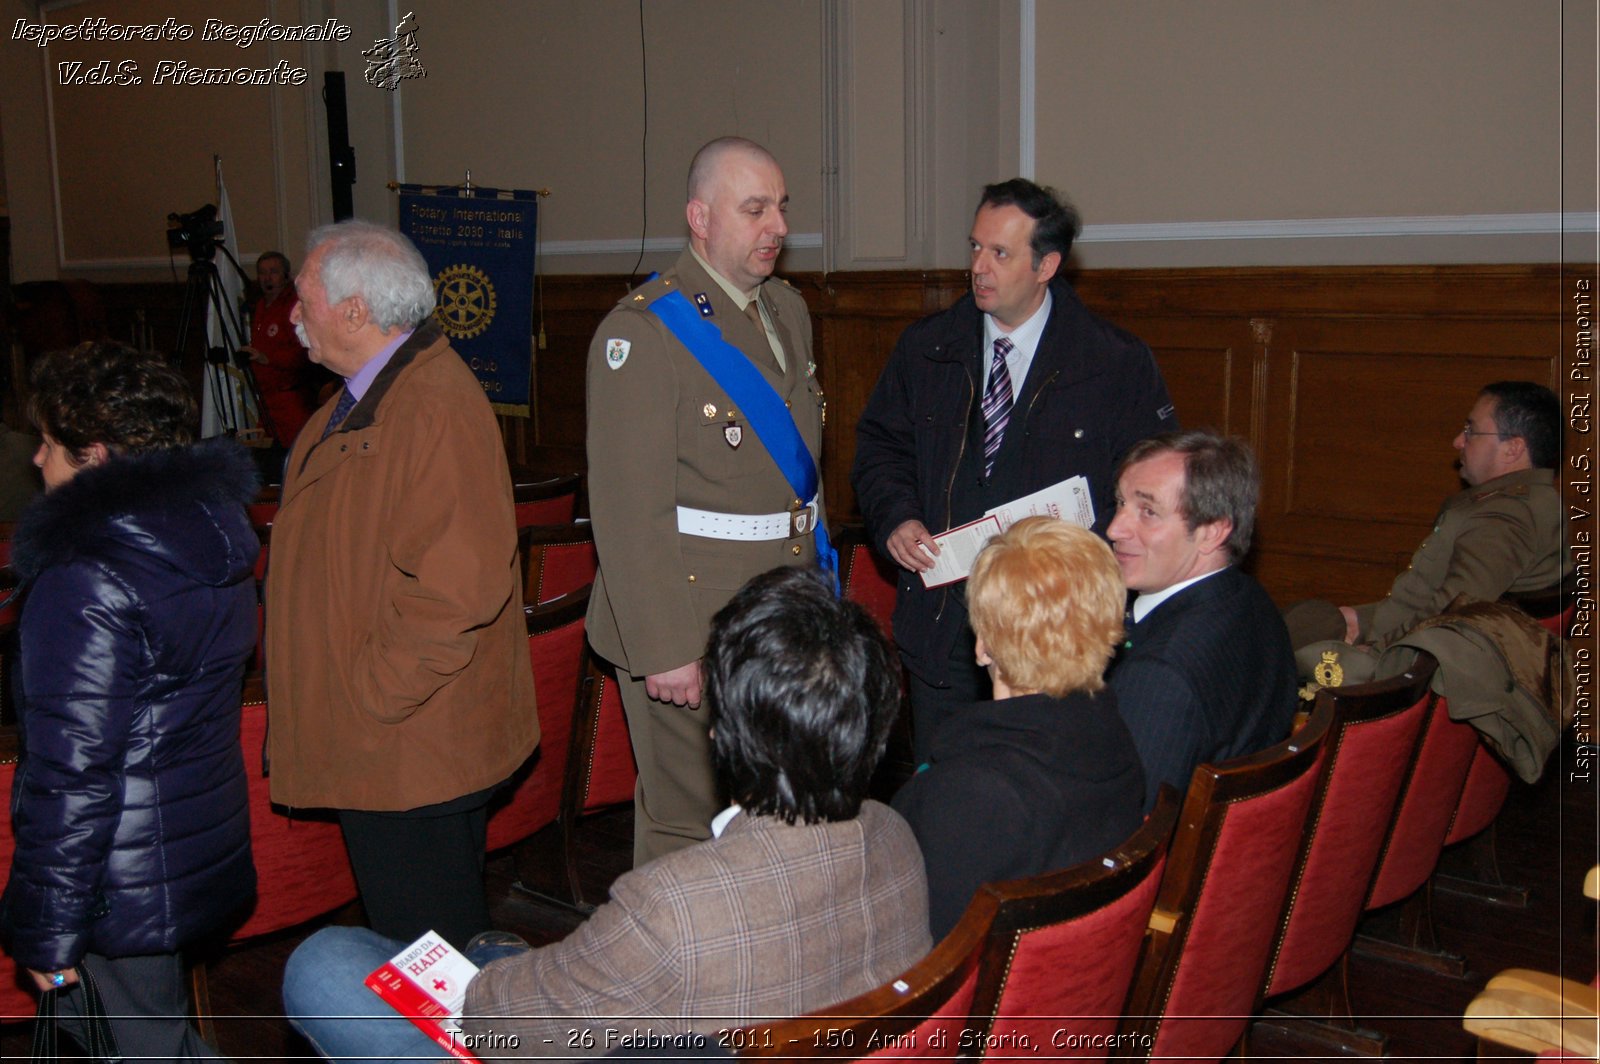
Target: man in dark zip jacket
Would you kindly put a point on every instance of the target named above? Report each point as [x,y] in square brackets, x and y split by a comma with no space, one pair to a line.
[1014,388]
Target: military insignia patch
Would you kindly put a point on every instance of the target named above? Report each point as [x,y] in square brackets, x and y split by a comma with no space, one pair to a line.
[617,352]
[802,522]
[709,410]
[1329,673]
[734,434]
[703,301]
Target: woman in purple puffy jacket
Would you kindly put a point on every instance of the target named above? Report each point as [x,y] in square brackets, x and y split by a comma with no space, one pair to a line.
[129,806]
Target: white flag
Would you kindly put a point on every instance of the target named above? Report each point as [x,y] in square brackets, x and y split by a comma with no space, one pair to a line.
[225,330]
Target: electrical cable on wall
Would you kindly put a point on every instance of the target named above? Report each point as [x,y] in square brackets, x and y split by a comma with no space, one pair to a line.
[644,142]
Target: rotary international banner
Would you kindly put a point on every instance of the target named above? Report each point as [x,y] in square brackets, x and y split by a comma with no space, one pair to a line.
[479,244]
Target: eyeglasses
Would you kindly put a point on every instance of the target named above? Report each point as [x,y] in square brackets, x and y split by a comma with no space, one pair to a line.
[1468,432]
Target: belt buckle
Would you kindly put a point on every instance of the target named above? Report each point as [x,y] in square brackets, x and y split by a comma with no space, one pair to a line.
[802,520]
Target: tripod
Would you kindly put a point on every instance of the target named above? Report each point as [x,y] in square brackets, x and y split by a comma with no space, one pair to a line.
[203,288]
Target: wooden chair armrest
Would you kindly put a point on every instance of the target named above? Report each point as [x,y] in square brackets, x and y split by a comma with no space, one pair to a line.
[1566,996]
[1536,1012]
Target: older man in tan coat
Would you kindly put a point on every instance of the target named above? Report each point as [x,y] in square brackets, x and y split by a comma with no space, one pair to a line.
[399,687]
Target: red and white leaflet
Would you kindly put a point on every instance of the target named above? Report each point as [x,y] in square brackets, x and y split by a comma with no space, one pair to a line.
[1068,500]
[427,984]
[958,549]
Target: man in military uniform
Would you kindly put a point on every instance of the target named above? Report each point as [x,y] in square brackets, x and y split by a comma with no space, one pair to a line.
[1504,533]
[687,499]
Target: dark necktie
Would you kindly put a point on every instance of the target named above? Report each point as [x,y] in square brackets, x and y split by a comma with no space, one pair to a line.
[996,404]
[752,310]
[341,411]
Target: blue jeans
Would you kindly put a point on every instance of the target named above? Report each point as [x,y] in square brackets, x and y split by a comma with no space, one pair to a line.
[328,1002]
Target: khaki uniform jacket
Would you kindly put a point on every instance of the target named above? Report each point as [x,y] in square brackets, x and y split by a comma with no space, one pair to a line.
[1502,673]
[663,434]
[1503,535]
[397,654]
[768,920]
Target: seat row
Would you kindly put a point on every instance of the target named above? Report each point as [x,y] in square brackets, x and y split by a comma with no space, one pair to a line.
[1177,942]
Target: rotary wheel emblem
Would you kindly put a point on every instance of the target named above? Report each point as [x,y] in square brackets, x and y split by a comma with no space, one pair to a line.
[466,301]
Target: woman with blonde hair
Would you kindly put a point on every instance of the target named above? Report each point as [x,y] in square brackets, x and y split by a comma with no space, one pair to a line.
[1046,774]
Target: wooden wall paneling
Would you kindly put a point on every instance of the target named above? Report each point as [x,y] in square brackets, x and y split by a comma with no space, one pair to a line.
[1209,367]
[857,319]
[1356,453]
[1350,381]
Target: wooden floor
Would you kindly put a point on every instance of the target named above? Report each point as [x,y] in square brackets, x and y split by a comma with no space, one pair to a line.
[1547,838]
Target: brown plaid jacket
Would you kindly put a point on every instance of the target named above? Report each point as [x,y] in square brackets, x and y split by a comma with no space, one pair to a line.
[767,920]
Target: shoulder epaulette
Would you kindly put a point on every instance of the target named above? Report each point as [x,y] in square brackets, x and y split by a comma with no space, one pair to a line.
[1515,491]
[641,297]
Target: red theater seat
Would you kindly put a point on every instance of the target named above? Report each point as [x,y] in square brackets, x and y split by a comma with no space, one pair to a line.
[1216,914]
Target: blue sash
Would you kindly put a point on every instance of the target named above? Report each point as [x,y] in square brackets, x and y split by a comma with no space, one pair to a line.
[764,409]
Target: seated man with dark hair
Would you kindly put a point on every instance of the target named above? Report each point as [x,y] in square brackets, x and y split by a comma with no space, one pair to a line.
[1206,672]
[1503,533]
[807,893]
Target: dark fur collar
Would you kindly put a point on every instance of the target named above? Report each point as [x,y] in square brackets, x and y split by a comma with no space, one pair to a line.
[61,522]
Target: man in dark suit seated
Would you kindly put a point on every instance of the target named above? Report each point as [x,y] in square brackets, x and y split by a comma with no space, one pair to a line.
[807,893]
[1206,672]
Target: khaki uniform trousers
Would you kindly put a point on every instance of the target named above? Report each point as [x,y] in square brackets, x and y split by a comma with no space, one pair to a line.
[676,796]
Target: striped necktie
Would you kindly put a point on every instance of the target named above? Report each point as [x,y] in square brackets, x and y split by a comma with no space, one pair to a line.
[341,411]
[996,404]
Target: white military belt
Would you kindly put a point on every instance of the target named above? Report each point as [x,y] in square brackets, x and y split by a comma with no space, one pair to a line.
[748,527]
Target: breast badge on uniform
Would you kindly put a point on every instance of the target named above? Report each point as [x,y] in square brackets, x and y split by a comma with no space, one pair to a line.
[734,434]
[617,352]
[703,301]
[1329,673]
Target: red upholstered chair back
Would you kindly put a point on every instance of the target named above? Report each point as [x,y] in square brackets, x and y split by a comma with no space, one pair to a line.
[1428,801]
[557,560]
[1485,792]
[1373,742]
[10,601]
[1560,624]
[7,530]
[598,772]
[921,1014]
[602,767]
[302,870]
[1061,952]
[1554,607]
[555,646]
[17,999]
[265,509]
[1216,914]
[549,500]
[866,578]
[1488,782]
[264,534]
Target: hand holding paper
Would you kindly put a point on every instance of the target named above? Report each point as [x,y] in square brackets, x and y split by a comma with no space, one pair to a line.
[1068,500]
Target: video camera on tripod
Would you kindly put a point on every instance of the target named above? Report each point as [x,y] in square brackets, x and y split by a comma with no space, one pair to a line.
[200,233]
